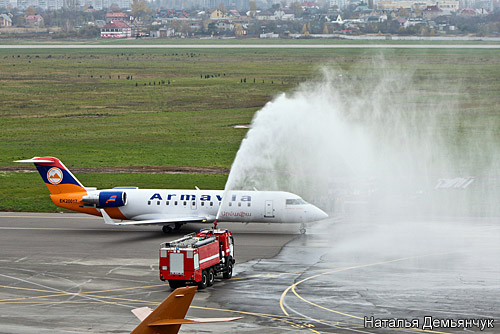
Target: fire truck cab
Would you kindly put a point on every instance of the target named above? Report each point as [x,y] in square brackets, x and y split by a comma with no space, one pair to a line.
[197,258]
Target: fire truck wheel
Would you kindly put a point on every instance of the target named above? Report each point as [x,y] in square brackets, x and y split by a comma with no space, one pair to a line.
[204,280]
[229,271]
[174,284]
[211,277]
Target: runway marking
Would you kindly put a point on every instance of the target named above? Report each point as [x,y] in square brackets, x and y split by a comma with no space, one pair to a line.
[292,287]
[95,295]
[275,275]
[3,301]
[333,271]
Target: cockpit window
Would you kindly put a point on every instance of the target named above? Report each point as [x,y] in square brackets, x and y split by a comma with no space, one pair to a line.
[295,201]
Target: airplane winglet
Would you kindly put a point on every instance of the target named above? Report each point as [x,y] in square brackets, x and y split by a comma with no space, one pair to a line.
[35,160]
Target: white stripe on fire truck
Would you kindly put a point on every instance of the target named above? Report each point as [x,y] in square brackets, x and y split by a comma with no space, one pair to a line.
[209,258]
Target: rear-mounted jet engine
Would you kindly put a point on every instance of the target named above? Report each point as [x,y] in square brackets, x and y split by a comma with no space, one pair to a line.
[106,199]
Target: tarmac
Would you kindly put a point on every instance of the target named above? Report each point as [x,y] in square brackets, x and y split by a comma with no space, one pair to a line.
[71,273]
[251,46]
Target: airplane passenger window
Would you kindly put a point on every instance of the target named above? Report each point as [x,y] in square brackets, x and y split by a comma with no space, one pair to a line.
[230,203]
[248,204]
[194,203]
[239,204]
[158,203]
[168,203]
[202,203]
[185,203]
[175,203]
[211,203]
[149,202]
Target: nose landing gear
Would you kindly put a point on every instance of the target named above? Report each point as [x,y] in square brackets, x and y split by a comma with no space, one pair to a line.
[302,228]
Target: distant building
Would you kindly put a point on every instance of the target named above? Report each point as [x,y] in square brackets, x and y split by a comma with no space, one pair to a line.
[113,17]
[34,20]
[309,5]
[100,4]
[5,20]
[117,29]
[269,35]
[447,6]
[376,18]
[234,14]
[467,12]
[395,5]
[224,25]
[100,23]
[431,12]
[217,14]
[341,4]
[265,15]
[338,20]
[42,4]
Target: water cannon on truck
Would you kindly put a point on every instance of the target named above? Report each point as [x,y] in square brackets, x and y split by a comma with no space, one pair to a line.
[197,258]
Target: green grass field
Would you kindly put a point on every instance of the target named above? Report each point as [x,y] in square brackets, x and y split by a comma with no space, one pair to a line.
[79,106]
[228,41]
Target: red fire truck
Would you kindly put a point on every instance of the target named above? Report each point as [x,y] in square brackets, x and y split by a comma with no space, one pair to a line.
[197,258]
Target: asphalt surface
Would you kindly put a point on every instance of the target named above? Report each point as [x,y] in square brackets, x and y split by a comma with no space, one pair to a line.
[70,273]
[255,46]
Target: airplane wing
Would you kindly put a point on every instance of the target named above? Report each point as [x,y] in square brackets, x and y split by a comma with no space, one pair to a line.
[191,321]
[143,312]
[161,221]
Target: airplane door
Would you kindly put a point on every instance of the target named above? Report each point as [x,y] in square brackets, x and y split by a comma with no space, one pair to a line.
[269,209]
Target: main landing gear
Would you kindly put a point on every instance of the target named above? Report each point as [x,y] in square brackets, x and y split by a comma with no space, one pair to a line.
[169,228]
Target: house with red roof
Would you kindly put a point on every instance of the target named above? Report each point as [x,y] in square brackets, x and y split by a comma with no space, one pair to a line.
[431,12]
[309,5]
[34,20]
[467,12]
[116,29]
[112,17]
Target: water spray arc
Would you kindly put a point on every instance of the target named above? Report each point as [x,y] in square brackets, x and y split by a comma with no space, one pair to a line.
[379,140]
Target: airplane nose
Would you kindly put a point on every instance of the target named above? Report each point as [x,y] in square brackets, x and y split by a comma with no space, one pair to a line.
[314,214]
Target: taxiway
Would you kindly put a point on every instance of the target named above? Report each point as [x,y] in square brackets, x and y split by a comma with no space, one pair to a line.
[70,273]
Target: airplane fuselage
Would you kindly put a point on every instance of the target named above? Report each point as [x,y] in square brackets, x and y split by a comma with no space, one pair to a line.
[241,206]
[171,207]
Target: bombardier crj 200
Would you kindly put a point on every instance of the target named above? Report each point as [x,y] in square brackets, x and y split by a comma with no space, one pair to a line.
[171,208]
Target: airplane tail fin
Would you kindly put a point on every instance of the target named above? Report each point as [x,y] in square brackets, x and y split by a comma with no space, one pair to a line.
[168,317]
[56,176]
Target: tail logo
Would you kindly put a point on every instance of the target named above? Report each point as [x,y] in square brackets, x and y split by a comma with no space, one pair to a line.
[54,175]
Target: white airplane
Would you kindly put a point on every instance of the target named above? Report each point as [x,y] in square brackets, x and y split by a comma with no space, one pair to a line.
[171,208]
